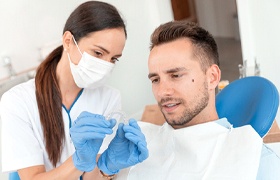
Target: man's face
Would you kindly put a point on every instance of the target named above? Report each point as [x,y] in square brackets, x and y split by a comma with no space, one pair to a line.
[178,82]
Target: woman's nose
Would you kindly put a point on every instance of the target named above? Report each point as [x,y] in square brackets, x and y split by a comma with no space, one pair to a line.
[107,58]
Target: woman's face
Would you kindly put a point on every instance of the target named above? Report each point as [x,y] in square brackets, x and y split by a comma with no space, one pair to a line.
[106,44]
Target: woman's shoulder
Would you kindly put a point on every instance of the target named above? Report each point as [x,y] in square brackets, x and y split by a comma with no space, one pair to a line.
[103,91]
[25,90]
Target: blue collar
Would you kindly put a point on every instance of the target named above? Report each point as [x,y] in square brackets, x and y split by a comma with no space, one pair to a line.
[224,122]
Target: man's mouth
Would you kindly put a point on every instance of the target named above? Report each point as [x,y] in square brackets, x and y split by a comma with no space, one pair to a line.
[169,107]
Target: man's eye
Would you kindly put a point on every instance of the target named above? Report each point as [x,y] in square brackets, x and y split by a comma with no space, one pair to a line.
[155,80]
[176,75]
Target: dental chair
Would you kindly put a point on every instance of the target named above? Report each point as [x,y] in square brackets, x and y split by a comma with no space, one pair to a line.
[251,100]
[14,176]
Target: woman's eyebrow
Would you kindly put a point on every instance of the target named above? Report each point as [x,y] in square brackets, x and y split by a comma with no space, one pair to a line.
[107,51]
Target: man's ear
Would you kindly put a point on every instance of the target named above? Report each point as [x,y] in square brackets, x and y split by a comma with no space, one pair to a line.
[214,76]
[66,40]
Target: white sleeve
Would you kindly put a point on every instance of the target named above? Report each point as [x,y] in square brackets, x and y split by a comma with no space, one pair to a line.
[20,147]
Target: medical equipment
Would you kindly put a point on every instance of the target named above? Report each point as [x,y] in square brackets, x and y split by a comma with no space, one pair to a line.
[251,100]
[119,115]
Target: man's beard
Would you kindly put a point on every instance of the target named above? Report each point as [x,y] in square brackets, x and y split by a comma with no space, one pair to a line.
[189,113]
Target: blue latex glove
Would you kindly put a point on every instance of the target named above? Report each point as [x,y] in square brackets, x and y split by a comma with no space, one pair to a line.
[128,148]
[87,134]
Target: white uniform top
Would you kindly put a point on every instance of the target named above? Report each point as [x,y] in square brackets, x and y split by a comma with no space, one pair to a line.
[23,143]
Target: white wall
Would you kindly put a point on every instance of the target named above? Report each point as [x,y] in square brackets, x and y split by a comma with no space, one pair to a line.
[259,32]
[131,74]
[27,25]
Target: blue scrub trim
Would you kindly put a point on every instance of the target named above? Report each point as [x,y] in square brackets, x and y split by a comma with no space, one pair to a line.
[68,110]
[68,113]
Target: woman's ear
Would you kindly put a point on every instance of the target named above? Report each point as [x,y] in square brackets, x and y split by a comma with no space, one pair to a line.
[66,40]
[214,76]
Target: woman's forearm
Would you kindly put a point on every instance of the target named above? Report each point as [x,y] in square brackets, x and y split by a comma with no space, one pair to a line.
[67,170]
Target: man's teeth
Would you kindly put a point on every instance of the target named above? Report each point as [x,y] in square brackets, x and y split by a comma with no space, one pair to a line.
[171,105]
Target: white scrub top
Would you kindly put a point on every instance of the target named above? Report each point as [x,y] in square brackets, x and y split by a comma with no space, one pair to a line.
[22,136]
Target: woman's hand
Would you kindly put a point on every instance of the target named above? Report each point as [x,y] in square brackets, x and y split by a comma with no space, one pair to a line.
[128,148]
[87,134]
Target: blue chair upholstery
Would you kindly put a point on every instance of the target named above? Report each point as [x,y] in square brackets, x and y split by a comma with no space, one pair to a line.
[251,100]
[14,176]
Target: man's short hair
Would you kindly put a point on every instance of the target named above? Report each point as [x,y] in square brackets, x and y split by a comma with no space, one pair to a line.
[205,47]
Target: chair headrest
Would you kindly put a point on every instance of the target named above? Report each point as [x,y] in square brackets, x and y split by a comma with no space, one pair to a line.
[251,100]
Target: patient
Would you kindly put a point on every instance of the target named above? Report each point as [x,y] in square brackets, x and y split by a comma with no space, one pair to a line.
[195,143]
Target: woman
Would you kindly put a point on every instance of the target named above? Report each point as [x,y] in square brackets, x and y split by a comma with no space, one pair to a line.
[69,93]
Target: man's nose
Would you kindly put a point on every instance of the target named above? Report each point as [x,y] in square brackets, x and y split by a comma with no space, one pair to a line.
[165,88]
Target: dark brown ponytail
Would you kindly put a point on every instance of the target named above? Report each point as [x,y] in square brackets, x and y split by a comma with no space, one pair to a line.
[49,104]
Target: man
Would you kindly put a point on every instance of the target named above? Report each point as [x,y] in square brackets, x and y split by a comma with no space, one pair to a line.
[195,143]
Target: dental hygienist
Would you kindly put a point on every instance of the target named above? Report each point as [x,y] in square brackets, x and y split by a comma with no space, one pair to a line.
[53,126]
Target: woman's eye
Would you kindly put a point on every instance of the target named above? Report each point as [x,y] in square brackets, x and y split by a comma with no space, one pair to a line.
[114,60]
[97,53]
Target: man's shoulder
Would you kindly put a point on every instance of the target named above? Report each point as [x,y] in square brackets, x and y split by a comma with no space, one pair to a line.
[269,168]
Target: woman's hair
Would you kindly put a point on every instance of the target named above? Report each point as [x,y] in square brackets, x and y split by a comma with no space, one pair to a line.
[89,17]
[205,47]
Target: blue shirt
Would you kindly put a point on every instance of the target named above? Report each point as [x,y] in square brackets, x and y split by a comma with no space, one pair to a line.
[269,167]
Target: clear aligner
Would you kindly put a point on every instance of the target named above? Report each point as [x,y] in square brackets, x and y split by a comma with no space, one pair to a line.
[119,115]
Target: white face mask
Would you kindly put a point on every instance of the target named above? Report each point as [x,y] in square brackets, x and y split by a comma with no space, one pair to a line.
[90,72]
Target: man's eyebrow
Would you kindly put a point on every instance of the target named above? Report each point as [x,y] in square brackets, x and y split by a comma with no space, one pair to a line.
[150,75]
[173,70]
